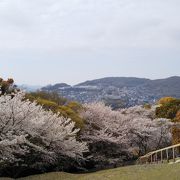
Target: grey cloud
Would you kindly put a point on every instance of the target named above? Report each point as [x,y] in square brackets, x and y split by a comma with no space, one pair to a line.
[69,24]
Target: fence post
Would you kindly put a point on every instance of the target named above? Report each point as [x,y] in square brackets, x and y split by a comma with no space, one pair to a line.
[156,158]
[151,158]
[161,156]
[174,155]
[167,154]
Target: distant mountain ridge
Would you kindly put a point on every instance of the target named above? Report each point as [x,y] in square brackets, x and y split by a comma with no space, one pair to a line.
[116,82]
[120,91]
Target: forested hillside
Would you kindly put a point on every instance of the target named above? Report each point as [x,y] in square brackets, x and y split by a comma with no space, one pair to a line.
[119,91]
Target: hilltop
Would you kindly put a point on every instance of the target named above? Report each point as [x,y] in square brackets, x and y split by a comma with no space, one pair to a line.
[119,91]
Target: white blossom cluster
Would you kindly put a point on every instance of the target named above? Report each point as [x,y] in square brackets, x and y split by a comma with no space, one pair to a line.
[26,128]
[135,128]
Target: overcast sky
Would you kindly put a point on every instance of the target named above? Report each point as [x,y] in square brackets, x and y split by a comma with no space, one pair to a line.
[49,41]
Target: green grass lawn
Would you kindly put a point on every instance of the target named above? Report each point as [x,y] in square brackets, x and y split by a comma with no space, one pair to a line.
[145,172]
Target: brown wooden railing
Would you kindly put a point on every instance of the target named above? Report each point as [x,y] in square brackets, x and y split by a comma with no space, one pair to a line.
[161,155]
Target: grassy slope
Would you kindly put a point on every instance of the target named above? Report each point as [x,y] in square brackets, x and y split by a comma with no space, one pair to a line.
[149,172]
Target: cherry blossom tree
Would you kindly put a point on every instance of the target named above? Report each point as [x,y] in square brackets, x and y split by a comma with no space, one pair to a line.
[33,137]
[133,130]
